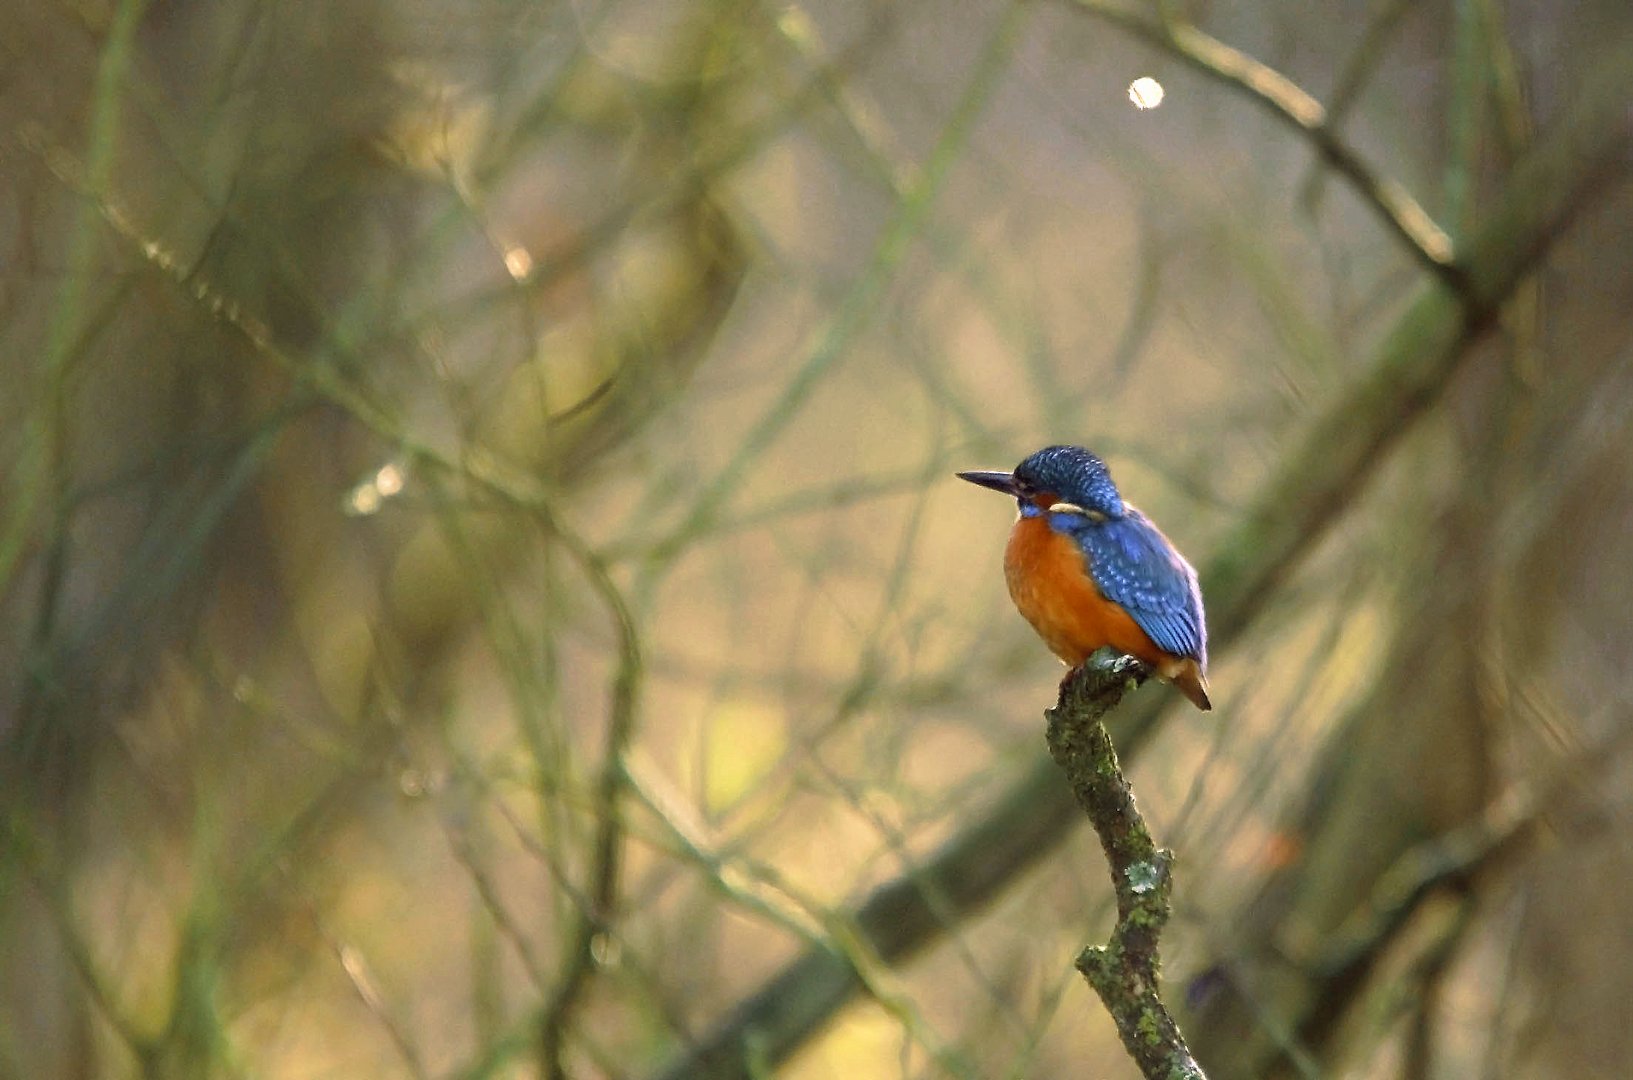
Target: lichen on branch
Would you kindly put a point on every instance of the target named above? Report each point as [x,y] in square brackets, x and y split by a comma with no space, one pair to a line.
[1125,971]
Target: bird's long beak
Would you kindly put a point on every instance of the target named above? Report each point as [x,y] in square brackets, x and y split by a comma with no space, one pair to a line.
[997,481]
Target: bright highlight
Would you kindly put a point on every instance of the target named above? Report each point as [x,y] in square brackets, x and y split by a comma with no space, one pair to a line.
[1145,92]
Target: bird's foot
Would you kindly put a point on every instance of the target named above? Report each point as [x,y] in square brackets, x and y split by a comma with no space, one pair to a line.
[1106,667]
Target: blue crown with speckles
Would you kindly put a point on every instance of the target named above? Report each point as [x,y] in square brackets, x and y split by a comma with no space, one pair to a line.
[1074,475]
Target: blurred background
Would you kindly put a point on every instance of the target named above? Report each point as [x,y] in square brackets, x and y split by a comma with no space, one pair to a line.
[483,593]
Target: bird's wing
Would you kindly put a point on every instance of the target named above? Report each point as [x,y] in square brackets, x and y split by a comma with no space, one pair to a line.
[1135,566]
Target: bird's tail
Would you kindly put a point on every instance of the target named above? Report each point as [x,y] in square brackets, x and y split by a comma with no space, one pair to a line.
[1192,683]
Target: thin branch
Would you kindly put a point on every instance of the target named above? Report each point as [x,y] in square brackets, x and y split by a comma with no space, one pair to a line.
[463,848]
[522,492]
[886,163]
[595,920]
[672,189]
[355,965]
[1352,77]
[860,301]
[41,468]
[54,894]
[1509,822]
[1125,970]
[1290,103]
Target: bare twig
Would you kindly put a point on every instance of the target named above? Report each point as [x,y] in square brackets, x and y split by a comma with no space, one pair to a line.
[40,470]
[595,920]
[860,301]
[1509,822]
[53,892]
[1124,971]
[463,847]
[1381,23]
[356,966]
[1290,103]
[521,492]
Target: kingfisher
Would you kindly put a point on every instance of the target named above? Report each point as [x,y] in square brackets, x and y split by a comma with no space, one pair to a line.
[1088,570]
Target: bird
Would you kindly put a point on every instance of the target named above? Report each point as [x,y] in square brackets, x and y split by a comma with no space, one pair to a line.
[1088,570]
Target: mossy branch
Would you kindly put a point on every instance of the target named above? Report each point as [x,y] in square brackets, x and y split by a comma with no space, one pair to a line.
[1125,970]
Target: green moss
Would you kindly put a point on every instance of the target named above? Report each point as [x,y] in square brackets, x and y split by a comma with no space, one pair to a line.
[1150,1028]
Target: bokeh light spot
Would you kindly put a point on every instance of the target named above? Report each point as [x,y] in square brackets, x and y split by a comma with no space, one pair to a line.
[1145,92]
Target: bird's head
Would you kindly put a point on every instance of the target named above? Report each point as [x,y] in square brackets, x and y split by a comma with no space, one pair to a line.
[1065,479]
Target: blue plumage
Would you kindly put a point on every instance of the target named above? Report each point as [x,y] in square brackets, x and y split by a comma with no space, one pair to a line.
[1134,565]
[1131,562]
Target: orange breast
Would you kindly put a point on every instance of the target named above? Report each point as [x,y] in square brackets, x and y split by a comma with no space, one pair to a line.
[1049,583]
